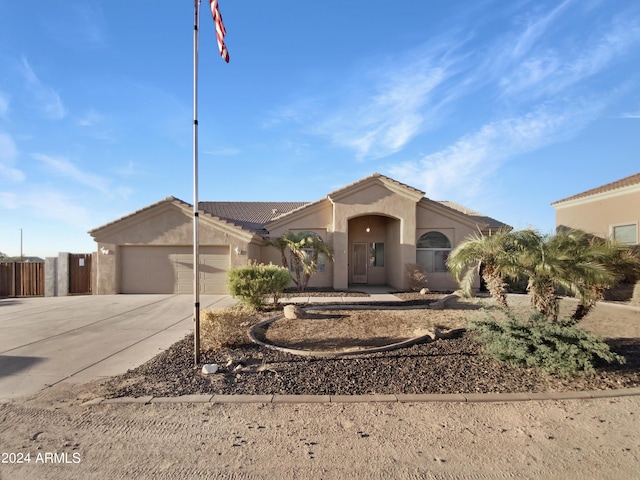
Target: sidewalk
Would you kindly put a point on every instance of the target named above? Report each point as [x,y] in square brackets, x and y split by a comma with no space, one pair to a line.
[375,294]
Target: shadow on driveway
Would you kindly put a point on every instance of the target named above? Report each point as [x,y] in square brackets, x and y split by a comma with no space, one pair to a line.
[10,365]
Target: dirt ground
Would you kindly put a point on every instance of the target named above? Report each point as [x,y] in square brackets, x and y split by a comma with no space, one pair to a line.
[586,439]
[372,326]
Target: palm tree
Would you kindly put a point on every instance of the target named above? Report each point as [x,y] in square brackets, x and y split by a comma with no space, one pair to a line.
[496,254]
[620,261]
[573,261]
[306,248]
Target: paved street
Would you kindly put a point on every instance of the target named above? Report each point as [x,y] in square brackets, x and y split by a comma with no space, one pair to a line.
[47,340]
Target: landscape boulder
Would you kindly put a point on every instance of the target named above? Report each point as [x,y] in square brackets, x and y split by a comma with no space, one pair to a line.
[293,312]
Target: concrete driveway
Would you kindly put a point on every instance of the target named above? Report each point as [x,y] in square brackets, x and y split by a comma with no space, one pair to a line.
[44,341]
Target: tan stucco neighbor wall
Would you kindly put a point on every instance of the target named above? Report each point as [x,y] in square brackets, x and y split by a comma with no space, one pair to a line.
[600,213]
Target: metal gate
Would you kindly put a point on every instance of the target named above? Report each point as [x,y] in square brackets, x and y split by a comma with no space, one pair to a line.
[79,273]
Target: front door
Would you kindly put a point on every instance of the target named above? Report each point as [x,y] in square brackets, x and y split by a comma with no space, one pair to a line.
[359,263]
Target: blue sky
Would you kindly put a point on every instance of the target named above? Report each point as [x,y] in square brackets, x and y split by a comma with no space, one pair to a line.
[503,106]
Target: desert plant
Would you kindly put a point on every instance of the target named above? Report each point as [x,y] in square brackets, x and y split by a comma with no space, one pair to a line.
[225,328]
[416,276]
[253,283]
[496,254]
[305,248]
[574,261]
[559,348]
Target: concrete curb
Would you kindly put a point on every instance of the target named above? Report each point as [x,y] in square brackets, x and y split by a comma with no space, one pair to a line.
[389,398]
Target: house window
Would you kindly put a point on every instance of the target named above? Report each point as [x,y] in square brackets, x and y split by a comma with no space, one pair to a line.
[626,233]
[432,251]
[376,254]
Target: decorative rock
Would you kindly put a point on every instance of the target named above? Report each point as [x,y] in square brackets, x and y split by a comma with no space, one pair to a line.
[424,291]
[293,312]
[209,368]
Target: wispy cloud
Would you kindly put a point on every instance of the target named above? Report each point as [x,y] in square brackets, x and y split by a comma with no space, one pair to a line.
[535,29]
[549,70]
[90,119]
[464,166]
[44,202]
[8,155]
[222,151]
[396,103]
[634,115]
[547,95]
[64,168]
[4,104]
[46,99]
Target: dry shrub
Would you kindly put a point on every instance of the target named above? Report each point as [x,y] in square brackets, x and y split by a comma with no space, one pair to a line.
[416,276]
[225,328]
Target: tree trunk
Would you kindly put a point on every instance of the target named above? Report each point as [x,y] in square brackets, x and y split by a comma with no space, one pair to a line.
[496,287]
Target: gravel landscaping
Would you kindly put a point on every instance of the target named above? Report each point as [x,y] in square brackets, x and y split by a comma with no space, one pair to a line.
[443,366]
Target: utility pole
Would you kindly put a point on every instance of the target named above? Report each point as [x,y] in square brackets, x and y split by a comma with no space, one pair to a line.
[21,246]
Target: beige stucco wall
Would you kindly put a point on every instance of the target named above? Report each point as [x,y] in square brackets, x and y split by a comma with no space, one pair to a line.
[600,213]
[374,199]
[396,214]
[433,217]
[396,217]
[163,224]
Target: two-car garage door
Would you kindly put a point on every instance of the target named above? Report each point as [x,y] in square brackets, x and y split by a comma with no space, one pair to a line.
[169,269]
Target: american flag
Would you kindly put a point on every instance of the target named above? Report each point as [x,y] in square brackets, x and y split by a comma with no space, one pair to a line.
[220,30]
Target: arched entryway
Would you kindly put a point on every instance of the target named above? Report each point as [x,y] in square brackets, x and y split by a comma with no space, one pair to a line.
[373,247]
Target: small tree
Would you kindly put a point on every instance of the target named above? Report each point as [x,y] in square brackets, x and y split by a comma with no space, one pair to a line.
[497,254]
[574,261]
[305,248]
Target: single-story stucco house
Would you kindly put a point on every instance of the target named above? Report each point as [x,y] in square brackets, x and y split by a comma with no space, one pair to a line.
[376,227]
[608,211]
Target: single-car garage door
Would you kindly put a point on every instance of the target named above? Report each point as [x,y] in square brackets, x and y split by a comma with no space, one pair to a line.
[169,269]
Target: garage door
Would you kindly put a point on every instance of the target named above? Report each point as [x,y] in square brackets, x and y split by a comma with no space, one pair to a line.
[169,269]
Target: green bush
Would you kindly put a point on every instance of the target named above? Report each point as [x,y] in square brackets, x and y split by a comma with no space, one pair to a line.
[560,349]
[251,284]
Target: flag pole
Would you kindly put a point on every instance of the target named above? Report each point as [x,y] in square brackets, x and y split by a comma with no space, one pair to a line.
[196,259]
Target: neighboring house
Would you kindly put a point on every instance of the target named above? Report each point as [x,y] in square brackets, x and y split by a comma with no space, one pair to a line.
[376,226]
[608,211]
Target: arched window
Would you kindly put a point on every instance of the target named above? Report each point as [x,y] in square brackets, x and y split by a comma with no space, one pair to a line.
[432,250]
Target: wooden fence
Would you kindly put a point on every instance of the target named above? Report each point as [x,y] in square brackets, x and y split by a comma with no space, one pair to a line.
[21,279]
[79,273]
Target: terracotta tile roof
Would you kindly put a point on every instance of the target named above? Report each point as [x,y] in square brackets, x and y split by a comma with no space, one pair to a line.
[376,175]
[491,223]
[249,215]
[623,182]
[253,216]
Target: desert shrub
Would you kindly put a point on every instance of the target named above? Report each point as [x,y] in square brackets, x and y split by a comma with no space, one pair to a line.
[252,283]
[225,328]
[560,349]
[416,276]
